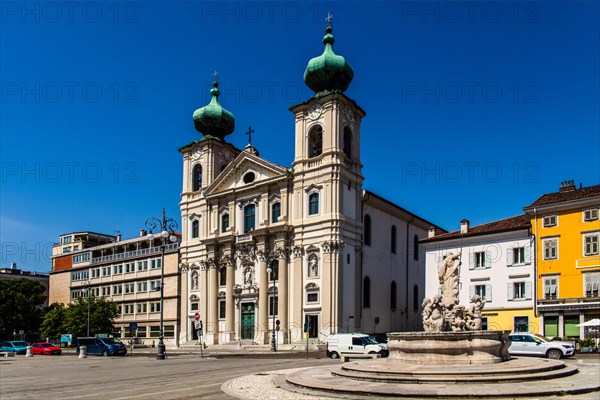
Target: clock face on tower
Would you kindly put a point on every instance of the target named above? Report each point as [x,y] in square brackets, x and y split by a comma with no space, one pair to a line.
[315,112]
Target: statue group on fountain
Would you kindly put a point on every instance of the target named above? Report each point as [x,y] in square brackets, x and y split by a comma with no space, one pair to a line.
[443,312]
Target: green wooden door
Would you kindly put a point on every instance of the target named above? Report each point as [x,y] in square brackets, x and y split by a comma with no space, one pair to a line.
[247,321]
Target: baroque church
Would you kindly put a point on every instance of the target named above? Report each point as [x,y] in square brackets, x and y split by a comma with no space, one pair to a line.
[302,251]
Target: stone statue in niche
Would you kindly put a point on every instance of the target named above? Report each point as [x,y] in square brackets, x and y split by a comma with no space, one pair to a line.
[248,276]
[195,280]
[313,267]
[448,277]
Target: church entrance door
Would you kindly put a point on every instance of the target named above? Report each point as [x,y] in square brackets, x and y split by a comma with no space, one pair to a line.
[247,321]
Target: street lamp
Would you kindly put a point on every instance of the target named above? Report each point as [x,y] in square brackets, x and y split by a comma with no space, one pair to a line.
[88,291]
[271,272]
[167,227]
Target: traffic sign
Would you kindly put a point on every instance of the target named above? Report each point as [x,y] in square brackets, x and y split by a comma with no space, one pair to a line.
[133,326]
[197,316]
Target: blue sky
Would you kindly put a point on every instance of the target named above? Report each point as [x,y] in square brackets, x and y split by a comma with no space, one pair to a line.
[474,109]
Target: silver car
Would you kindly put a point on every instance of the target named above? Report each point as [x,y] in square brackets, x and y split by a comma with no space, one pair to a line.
[532,344]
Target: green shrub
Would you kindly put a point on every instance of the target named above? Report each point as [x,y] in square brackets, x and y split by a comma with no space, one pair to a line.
[587,342]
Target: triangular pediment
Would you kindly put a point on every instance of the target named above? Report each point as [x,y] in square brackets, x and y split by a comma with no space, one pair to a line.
[246,171]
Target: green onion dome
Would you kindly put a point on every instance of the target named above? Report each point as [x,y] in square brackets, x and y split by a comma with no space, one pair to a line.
[213,119]
[328,72]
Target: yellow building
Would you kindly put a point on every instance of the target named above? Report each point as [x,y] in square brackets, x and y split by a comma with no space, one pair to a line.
[566,228]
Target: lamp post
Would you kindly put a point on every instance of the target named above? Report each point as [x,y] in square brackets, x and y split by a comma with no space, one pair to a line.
[167,226]
[88,291]
[271,272]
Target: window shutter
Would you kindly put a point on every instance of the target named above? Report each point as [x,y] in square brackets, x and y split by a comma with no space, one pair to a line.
[509,291]
[528,290]
[471,291]
[527,254]
[488,259]
[509,257]
[488,292]
[471,260]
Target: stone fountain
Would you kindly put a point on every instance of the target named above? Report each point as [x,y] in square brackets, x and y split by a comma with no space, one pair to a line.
[452,333]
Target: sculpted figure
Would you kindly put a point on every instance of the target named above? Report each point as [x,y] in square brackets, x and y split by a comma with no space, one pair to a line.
[426,315]
[448,278]
[248,276]
[436,319]
[474,313]
[458,323]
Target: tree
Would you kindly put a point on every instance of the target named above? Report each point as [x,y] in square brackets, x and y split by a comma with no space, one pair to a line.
[21,306]
[54,319]
[74,318]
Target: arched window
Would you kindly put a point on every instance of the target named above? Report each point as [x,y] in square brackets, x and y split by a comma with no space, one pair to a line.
[366,292]
[394,239]
[224,222]
[415,297]
[249,212]
[275,212]
[348,142]
[393,296]
[195,228]
[313,204]
[315,142]
[197,177]
[416,247]
[368,230]
[222,276]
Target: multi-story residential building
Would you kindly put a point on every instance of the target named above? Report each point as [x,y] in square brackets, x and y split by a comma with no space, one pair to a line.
[127,272]
[567,231]
[341,258]
[496,264]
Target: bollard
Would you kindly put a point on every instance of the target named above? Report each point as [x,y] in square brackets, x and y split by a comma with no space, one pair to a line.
[82,352]
[28,353]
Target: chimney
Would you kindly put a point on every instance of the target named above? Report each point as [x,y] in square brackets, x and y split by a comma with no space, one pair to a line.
[142,232]
[13,265]
[567,186]
[119,237]
[431,232]
[464,226]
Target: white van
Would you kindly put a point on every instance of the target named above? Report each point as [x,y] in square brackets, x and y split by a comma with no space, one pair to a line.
[354,343]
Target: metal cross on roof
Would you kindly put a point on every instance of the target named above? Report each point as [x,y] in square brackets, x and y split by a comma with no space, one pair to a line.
[329,17]
[216,74]
[249,133]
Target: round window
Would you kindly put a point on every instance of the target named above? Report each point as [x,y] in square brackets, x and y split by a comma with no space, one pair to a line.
[249,177]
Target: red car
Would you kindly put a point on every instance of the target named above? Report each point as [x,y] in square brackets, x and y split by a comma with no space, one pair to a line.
[45,348]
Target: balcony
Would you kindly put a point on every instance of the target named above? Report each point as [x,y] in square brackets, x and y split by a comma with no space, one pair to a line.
[135,253]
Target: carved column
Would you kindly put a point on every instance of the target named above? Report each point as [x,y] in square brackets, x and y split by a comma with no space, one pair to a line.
[213,302]
[229,301]
[263,296]
[297,293]
[283,293]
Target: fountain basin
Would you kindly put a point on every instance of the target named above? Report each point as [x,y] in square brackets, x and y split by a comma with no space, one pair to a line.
[449,348]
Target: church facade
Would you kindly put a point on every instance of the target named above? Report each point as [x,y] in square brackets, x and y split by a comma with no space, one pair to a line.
[301,250]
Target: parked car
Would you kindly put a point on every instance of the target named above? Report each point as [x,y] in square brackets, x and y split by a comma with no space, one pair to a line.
[102,346]
[354,343]
[532,344]
[45,348]
[15,346]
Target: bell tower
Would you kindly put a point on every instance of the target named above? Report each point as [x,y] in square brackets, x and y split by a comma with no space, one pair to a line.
[328,181]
